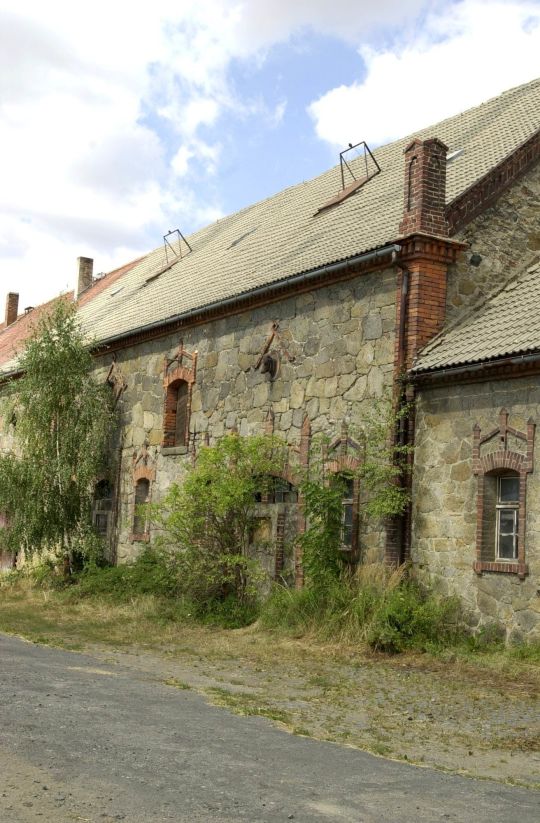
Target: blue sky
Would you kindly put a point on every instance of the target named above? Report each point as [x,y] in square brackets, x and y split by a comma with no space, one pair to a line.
[120,121]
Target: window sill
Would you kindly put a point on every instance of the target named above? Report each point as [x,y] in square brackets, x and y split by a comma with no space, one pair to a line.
[501,566]
[172,450]
[140,538]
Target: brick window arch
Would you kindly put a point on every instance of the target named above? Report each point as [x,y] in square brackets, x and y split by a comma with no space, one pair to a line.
[501,498]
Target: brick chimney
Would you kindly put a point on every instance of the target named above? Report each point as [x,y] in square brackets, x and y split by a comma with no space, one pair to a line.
[84,279]
[425,188]
[12,308]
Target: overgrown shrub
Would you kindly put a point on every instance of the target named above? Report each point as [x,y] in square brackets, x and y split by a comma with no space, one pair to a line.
[376,606]
[206,522]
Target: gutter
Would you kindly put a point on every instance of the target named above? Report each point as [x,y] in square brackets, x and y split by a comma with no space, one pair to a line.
[392,250]
[261,291]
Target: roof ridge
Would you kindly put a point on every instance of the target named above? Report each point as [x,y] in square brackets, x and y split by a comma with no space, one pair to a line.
[395,142]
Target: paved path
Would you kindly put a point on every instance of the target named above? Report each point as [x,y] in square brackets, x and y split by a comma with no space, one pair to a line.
[83,740]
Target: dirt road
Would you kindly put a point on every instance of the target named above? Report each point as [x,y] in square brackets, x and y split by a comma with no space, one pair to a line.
[81,739]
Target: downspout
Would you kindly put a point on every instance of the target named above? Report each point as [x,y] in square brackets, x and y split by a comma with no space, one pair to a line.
[405,430]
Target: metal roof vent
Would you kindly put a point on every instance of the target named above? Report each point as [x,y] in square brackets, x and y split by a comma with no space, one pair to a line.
[174,248]
[356,168]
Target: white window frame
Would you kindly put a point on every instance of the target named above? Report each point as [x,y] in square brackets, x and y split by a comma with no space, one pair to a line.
[506,506]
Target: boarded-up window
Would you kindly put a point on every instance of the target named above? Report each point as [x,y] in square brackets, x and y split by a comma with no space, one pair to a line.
[142,495]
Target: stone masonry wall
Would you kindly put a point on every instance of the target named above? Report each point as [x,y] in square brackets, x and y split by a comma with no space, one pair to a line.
[335,347]
[445,500]
[507,239]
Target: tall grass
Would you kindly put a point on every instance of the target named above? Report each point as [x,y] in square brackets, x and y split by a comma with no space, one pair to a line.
[376,605]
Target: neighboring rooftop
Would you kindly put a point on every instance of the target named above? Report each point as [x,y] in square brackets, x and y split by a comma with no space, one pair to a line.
[12,337]
[283,235]
[506,323]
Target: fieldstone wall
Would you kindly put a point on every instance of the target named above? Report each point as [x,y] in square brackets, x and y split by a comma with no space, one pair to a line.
[503,240]
[335,349]
[445,501]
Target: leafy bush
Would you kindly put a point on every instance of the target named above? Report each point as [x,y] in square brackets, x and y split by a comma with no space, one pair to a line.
[205,523]
[151,573]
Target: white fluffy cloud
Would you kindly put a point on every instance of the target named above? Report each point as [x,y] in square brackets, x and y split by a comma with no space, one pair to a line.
[109,109]
[460,57]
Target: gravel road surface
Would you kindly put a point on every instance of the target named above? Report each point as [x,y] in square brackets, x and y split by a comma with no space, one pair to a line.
[82,740]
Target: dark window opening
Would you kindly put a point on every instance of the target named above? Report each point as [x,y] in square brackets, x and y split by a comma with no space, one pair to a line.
[275,490]
[347,513]
[181,414]
[500,527]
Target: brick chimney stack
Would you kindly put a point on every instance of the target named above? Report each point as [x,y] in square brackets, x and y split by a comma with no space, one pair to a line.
[425,188]
[85,275]
[12,308]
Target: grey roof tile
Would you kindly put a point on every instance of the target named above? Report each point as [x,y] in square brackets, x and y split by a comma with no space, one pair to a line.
[282,235]
[506,323]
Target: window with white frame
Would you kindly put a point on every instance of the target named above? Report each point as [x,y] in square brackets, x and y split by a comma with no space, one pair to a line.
[507,517]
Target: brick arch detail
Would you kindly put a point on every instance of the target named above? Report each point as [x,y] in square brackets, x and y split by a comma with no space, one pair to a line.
[180,373]
[499,460]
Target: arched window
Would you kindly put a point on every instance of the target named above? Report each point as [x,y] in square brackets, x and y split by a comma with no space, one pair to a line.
[502,496]
[102,507]
[500,526]
[176,423]
[142,496]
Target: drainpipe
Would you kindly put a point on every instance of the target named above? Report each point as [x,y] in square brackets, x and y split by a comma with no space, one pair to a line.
[405,432]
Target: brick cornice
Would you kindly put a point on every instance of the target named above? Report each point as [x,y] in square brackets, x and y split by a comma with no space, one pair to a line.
[485,191]
[426,247]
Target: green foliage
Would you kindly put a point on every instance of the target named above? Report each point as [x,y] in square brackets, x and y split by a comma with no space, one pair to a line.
[388,613]
[385,461]
[160,573]
[408,618]
[322,539]
[151,573]
[63,423]
[206,521]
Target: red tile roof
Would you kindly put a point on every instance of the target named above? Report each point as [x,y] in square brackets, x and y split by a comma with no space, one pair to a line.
[13,337]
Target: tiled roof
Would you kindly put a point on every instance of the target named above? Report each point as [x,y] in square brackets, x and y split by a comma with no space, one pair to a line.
[13,337]
[505,323]
[283,236]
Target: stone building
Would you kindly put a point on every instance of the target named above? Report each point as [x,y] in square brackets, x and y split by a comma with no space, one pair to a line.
[295,314]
